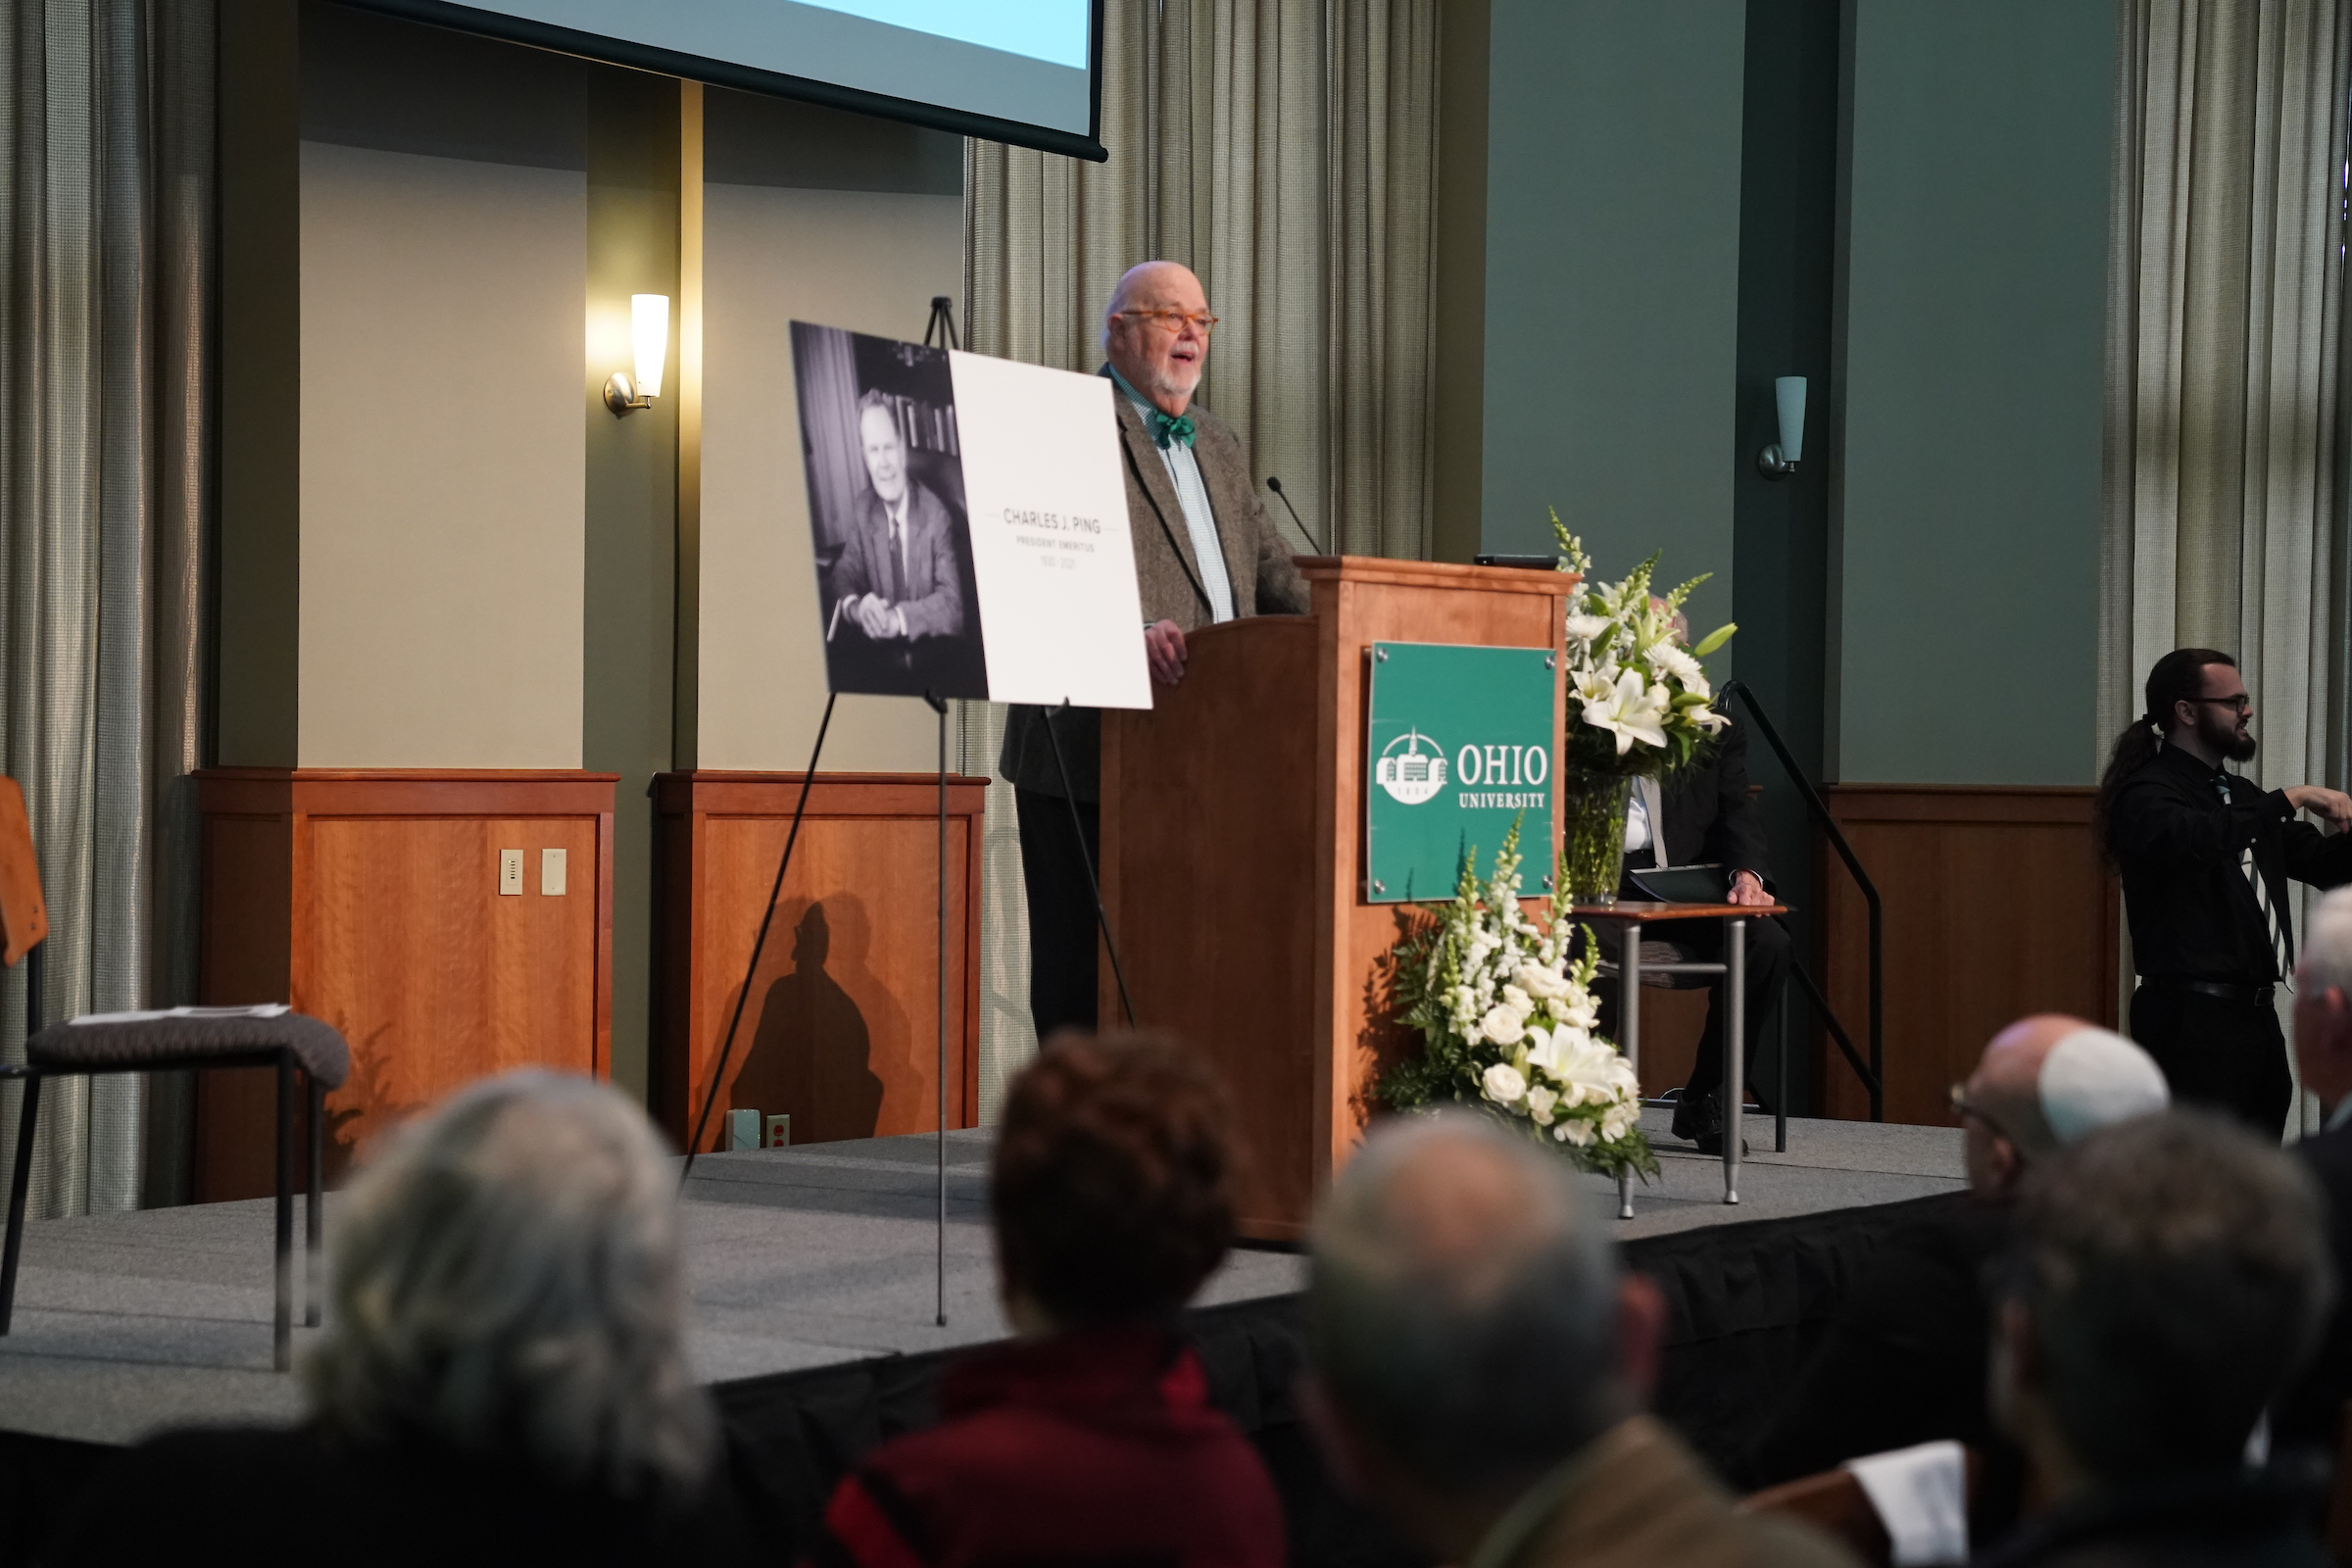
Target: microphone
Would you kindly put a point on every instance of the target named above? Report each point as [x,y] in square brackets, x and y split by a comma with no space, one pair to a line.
[1275,485]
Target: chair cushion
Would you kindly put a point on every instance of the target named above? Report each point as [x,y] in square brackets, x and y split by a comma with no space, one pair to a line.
[189,1037]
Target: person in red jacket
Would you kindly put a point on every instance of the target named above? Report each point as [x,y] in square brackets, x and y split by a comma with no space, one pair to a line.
[1089,1438]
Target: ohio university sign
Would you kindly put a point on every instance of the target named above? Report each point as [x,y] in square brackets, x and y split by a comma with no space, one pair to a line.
[1460,746]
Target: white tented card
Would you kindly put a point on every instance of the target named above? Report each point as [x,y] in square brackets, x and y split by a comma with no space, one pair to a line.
[1051,549]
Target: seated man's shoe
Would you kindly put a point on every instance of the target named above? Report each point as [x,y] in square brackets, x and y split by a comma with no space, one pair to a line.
[1698,1119]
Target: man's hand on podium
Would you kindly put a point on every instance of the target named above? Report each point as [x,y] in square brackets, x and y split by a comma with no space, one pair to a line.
[1163,646]
[1747,888]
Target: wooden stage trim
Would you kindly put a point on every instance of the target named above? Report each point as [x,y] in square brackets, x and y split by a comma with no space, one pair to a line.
[842,1028]
[369,899]
[1997,905]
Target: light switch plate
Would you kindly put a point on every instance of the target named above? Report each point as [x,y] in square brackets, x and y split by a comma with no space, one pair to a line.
[551,873]
[509,872]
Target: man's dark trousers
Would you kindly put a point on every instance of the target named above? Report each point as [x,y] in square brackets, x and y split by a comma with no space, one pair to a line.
[1063,931]
[2230,1056]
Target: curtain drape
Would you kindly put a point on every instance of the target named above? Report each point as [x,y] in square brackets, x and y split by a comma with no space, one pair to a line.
[2225,504]
[1284,150]
[106,258]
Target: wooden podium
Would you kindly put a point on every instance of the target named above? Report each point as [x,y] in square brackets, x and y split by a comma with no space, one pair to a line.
[1233,827]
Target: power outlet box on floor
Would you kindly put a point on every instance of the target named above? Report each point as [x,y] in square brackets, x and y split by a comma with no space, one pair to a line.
[779,1130]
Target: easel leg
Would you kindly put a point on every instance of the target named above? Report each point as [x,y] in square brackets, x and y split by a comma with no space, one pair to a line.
[1093,884]
[750,974]
[940,706]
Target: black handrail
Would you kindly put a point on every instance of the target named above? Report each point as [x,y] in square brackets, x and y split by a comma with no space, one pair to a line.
[1874,1079]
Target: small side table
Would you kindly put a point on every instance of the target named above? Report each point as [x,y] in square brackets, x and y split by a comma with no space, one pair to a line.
[1636,913]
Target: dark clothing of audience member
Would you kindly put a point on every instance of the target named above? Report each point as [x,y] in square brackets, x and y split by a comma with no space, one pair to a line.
[270,1496]
[1097,1445]
[2311,1415]
[1090,1439]
[1904,1360]
[2254,1519]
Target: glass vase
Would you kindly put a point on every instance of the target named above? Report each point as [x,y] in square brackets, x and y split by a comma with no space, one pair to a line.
[1593,810]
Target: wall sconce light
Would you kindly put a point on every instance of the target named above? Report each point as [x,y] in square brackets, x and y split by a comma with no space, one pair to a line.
[649,334]
[1778,459]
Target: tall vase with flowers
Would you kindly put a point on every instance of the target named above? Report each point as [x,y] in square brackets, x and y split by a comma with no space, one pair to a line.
[1638,707]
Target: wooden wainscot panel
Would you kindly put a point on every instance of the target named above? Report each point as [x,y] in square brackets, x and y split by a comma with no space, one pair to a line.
[1997,905]
[840,1029]
[371,899]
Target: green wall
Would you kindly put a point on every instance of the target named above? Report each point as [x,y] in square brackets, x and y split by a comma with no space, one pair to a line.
[1612,282]
[1964,533]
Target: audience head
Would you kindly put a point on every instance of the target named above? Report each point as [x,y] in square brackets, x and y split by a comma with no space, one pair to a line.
[2170,1274]
[2324,1000]
[1469,1325]
[883,447]
[507,1283]
[1155,332]
[2041,1084]
[1112,1192]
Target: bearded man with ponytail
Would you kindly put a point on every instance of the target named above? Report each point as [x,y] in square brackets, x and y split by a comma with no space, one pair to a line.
[2206,855]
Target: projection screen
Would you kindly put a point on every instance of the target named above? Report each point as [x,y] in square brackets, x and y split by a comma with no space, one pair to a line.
[1024,71]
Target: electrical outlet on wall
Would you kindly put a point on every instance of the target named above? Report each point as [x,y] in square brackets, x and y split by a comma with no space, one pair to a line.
[509,872]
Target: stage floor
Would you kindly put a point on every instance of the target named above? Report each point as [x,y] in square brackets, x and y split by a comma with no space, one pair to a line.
[811,1256]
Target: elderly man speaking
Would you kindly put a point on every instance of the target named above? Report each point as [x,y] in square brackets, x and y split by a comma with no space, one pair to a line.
[1204,551]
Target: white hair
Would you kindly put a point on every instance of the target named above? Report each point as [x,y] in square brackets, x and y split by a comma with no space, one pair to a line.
[1466,1370]
[2326,957]
[2095,1078]
[507,1282]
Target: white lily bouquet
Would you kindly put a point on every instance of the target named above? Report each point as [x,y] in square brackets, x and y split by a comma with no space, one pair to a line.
[1638,706]
[1507,1016]
[1642,691]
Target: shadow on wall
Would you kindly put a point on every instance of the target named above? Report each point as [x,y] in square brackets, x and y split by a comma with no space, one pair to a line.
[812,1051]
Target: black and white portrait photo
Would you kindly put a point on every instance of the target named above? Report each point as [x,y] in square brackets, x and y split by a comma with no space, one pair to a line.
[887,513]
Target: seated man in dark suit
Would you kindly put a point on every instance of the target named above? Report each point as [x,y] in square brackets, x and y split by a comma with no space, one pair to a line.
[1706,815]
[898,583]
[2312,1413]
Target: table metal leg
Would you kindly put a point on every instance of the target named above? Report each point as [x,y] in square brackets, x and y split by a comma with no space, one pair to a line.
[1780,1068]
[1629,1026]
[1734,1053]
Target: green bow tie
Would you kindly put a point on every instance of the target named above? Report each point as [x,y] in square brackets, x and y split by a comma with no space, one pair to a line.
[1171,428]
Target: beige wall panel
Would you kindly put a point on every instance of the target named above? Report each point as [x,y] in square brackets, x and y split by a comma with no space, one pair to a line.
[443,462]
[863,260]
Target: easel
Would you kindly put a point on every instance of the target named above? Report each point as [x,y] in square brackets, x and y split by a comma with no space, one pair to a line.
[942,328]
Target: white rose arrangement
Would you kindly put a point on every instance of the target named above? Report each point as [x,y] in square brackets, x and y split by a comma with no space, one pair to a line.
[1507,1021]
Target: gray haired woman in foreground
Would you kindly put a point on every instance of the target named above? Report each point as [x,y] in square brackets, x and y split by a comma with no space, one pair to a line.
[503,1374]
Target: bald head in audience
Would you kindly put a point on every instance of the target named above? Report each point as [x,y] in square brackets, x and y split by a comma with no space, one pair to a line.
[2042,1083]
[1471,1327]
[1481,1362]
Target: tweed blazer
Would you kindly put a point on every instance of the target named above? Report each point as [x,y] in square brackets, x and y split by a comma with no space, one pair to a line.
[1168,574]
[933,601]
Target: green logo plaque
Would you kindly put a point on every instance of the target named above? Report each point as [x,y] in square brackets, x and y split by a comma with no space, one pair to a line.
[1460,746]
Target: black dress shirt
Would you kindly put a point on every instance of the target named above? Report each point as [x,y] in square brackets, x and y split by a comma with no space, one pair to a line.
[2179,841]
